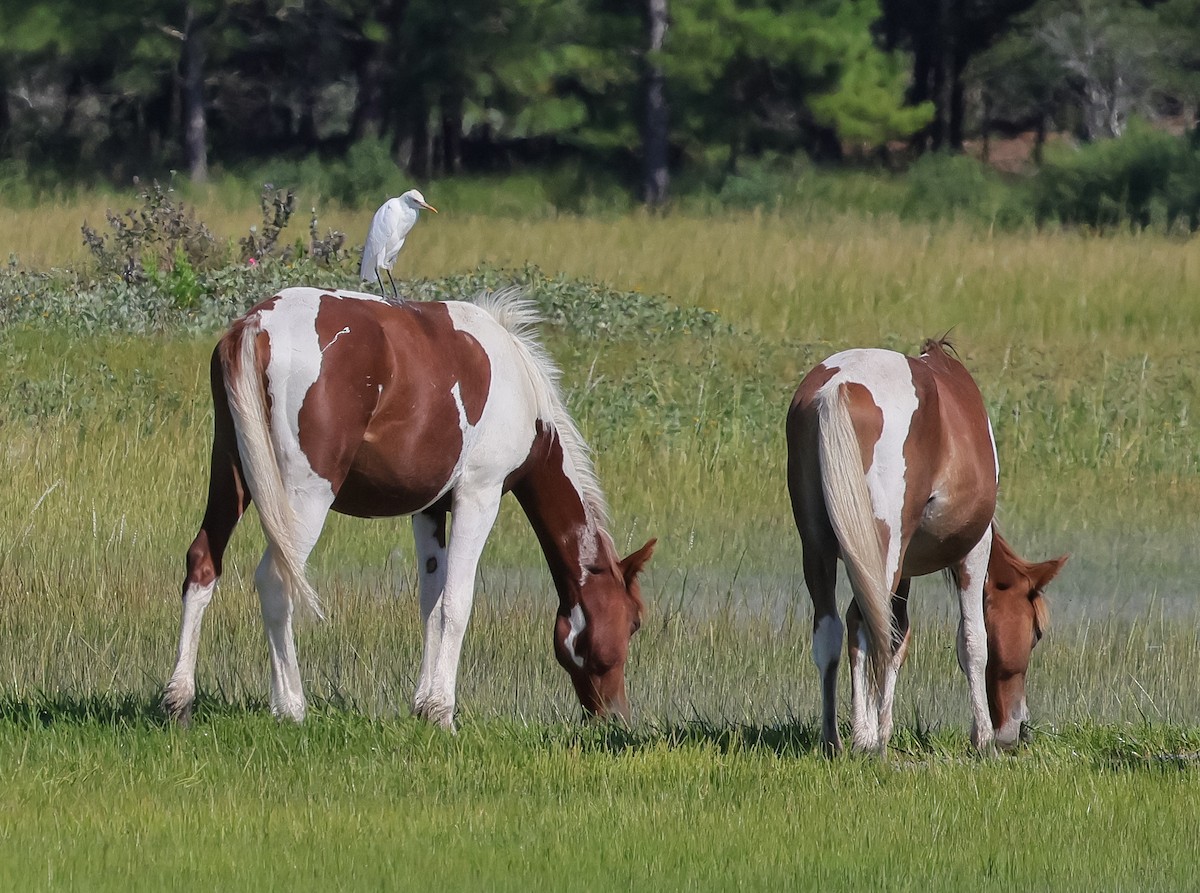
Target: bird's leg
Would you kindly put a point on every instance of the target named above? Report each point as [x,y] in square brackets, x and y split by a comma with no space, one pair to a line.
[379,279]
[395,294]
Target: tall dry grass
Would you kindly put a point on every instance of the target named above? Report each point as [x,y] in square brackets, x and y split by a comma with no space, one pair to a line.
[1084,348]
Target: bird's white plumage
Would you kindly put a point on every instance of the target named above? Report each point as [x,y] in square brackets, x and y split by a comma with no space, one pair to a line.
[389,228]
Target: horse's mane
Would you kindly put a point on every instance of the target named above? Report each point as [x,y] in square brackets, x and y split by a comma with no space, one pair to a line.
[943,344]
[519,316]
[1041,609]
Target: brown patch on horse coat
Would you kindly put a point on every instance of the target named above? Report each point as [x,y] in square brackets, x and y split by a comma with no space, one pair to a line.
[867,418]
[388,375]
[950,480]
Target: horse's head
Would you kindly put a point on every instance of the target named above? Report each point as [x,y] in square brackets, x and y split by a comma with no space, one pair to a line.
[591,639]
[1015,614]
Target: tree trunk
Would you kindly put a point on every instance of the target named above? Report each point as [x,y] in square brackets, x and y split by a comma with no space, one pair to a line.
[419,162]
[367,118]
[656,139]
[195,122]
[922,89]
[985,130]
[5,116]
[452,127]
[958,105]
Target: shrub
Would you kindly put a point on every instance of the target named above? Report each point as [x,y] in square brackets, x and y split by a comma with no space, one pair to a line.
[942,186]
[153,237]
[1145,178]
[367,175]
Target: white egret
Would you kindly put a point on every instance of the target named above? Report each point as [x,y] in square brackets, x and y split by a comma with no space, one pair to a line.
[385,238]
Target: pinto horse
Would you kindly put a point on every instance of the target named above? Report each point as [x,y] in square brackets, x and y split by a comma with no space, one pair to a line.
[892,466]
[342,400]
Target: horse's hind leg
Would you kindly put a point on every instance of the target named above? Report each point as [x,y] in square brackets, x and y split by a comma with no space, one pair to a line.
[899,653]
[820,575]
[278,607]
[429,536]
[227,500]
[873,710]
[863,696]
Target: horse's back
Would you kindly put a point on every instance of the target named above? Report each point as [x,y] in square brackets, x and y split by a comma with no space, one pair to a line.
[384,400]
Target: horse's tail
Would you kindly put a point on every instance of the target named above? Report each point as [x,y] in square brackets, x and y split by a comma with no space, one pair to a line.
[252,423]
[848,503]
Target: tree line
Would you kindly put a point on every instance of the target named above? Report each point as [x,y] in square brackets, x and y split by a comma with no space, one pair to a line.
[646,88]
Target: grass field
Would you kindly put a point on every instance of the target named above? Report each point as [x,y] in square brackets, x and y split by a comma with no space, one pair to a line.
[1084,348]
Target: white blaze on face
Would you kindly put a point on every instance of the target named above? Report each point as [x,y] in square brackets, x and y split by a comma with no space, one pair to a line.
[578,625]
[888,378]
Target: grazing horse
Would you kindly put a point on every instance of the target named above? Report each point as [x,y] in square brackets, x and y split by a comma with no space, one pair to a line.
[892,466]
[341,400]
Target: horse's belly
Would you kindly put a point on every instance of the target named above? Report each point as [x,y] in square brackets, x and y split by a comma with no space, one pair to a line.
[936,547]
[377,487]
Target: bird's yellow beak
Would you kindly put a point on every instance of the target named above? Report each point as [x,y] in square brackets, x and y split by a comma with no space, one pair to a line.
[428,207]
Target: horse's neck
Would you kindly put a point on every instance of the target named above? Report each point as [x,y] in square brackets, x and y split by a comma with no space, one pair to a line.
[571,535]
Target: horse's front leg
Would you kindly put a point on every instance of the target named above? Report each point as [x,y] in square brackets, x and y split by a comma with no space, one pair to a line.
[474,512]
[972,638]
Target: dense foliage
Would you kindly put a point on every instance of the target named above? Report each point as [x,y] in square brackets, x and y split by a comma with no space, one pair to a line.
[107,90]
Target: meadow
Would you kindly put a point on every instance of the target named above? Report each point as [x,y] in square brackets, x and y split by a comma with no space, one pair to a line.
[681,339]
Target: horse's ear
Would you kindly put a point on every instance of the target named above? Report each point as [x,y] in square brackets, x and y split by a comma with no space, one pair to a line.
[1046,571]
[632,565]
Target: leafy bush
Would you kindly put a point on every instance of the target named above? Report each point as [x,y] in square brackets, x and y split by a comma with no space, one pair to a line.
[1146,178]
[187,299]
[941,186]
[368,174]
[153,238]
[579,307]
[761,183]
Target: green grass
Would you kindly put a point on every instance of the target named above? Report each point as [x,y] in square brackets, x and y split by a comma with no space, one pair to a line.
[1084,349]
[108,800]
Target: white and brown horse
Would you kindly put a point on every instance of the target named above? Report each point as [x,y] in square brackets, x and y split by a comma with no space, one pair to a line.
[335,400]
[892,466]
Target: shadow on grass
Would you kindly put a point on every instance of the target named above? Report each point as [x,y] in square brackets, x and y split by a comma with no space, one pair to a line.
[783,739]
[1122,748]
[116,710]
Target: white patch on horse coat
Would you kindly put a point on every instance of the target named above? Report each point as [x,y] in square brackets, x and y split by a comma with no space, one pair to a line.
[355,295]
[345,331]
[863,708]
[887,377]
[181,690]
[578,625]
[510,400]
[481,325]
[827,642]
[294,367]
